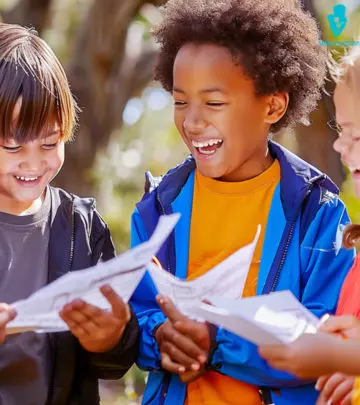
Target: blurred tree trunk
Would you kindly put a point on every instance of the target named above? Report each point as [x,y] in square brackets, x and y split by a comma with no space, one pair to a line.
[103,73]
[34,13]
[315,142]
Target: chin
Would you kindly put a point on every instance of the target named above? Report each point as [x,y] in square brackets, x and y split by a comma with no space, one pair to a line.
[29,196]
[210,173]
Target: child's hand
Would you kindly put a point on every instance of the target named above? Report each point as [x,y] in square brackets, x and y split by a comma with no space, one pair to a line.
[184,344]
[7,314]
[178,352]
[346,325]
[335,389]
[97,330]
[308,357]
[189,376]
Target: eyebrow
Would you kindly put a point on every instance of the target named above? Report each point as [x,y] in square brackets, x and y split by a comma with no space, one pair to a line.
[205,91]
[52,133]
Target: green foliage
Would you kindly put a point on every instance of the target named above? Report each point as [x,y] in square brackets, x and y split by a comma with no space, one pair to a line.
[351,201]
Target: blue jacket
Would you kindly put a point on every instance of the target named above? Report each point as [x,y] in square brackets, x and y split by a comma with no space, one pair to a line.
[301,253]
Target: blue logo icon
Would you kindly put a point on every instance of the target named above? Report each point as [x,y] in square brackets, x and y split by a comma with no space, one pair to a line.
[338,19]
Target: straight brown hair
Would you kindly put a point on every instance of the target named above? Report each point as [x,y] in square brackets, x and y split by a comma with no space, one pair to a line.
[30,71]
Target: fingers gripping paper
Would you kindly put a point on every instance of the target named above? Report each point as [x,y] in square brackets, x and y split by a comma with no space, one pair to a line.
[275,318]
[123,273]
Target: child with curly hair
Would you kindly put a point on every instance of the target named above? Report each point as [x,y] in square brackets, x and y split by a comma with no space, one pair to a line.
[238,71]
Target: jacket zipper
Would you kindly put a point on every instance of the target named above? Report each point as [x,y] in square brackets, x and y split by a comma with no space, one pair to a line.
[164,213]
[166,380]
[283,257]
[54,337]
[288,240]
[72,243]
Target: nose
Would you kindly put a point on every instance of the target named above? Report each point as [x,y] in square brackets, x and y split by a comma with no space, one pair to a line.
[340,145]
[194,121]
[32,161]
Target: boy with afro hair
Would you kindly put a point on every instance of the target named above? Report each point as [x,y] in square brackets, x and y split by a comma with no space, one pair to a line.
[238,71]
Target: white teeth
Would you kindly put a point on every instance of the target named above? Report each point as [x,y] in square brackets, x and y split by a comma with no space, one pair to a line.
[210,142]
[26,178]
[208,152]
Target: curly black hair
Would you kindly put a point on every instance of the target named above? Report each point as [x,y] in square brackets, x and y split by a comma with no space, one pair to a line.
[275,42]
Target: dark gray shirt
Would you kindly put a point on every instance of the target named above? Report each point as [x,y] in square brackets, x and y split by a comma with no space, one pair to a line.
[24,358]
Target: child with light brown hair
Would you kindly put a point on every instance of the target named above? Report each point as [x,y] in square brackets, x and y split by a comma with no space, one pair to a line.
[321,354]
[46,232]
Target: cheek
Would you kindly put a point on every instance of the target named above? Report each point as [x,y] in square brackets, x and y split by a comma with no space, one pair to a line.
[356,153]
[56,160]
[8,163]
[179,122]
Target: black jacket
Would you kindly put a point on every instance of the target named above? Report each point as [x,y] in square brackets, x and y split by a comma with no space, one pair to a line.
[79,238]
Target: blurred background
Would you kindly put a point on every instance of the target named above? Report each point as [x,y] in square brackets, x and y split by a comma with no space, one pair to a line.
[126,121]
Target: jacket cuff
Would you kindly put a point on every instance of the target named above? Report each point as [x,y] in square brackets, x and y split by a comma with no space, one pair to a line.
[115,362]
[210,365]
[153,331]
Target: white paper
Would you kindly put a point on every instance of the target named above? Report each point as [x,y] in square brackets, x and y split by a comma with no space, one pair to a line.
[266,319]
[226,279]
[40,311]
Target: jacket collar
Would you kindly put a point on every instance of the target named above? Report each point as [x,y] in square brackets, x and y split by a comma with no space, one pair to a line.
[297,178]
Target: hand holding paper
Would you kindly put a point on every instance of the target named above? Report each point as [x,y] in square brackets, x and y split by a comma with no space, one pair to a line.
[184,344]
[347,326]
[40,311]
[308,357]
[7,314]
[97,330]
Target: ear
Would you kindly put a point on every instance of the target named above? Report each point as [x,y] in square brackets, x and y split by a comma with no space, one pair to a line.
[276,107]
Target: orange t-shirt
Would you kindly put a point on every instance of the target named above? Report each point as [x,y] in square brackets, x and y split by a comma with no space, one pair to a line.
[224,218]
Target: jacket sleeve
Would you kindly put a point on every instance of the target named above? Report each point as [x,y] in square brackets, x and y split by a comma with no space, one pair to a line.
[102,246]
[324,266]
[145,306]
[116,362]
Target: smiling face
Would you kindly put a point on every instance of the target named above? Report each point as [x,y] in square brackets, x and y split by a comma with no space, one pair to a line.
[27,168]
[348,141]
[222,121]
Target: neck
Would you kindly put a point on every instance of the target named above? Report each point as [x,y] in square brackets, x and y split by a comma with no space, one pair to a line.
[250,169]
[20,208]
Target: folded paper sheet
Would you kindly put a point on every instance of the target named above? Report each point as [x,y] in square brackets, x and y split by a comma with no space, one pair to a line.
[226,279]
[40,311]
[266,319]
